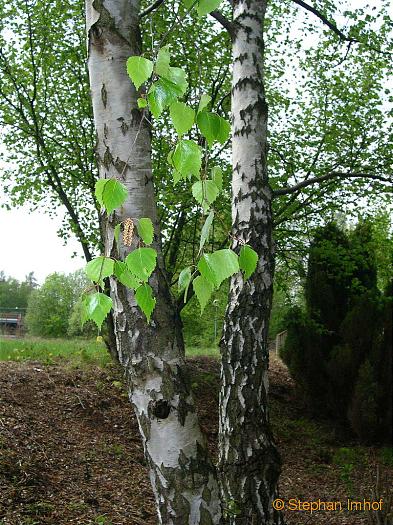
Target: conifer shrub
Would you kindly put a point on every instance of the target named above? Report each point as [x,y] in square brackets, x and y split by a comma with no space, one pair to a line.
[339,348]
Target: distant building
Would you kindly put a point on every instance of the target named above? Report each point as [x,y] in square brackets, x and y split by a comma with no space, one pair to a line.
[12,321]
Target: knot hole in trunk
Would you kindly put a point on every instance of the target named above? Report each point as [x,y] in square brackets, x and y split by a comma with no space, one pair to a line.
[161,409]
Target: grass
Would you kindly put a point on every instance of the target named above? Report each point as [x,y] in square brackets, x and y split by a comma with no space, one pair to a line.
[75,351]
[51,351]
[194,351]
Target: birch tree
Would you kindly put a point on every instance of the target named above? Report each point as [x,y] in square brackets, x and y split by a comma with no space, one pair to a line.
[183,477]
[181,473]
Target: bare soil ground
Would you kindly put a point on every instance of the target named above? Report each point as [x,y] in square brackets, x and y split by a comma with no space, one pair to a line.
[70,451]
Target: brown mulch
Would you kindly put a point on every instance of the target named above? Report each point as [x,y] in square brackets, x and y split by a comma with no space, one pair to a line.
[70,451]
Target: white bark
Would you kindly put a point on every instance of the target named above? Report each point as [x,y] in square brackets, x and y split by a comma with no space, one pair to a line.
[249,463]
[182,476]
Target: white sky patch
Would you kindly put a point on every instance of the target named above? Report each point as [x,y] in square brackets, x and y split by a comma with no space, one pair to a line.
[29,243]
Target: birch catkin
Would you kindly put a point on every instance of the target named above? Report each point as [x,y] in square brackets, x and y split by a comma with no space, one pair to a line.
[128,232]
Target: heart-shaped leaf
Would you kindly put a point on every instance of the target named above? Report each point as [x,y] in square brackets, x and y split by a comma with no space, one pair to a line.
[141,262]
[139,70]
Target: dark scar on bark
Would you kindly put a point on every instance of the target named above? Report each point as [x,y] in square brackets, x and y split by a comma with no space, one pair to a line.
[161,409]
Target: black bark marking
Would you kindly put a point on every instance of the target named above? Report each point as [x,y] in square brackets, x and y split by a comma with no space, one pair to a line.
[104,95]
[161,409]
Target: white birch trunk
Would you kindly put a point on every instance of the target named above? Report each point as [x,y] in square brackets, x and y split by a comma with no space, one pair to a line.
[182,476]
[249,463]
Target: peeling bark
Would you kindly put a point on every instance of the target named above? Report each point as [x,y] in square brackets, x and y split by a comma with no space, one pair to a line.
[249,463]
[182,476]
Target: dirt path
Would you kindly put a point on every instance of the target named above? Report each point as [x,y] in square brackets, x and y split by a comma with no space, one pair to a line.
[70,451]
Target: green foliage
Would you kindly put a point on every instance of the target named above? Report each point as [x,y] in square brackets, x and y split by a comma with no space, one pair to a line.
[99,268]
[338,349]
[15,294]
[162,94]
[184,280]
[76,326]
[204,102]
[145,230]
[163,61]
[145,300]
[364,406]
[203,330]
[203,290]
[330,269]
[213,127]
[124,275]
[217,176]
[248,260]
[217,266]
[304,354]
[110,193]
[49,307]
[182,117]
[205,192]
[187,158]
[142,262]
[206,230]
[206,6]
[96,307]
[139,70]
[46,113]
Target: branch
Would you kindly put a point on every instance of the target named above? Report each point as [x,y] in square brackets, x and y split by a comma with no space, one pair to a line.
[328,176]
[227,24]
[155,5]
[332,26]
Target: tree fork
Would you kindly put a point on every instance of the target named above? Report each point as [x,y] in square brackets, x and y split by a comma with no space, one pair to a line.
[249,462]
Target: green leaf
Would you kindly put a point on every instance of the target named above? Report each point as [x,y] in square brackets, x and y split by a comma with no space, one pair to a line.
[110,194]
[97,306]
[142,103]
[182,117]
[207,6]
[162,63]
[124,275]
[205,192]
[205,100]
[188,3]
[116,233]
[187,158]
[203,290]
[206,230]
[145,300]
[217,176]
[99,189]
[141,262]
[218,266]
[248,260]
[99,268]
[139,70]
[184,279]
[213,127]
[161,95]
[176,177]
[178,77]
[145,230]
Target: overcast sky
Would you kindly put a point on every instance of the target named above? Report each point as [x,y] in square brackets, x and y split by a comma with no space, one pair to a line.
[29,242]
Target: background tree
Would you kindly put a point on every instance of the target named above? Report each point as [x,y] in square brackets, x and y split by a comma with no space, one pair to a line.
[50,306]
[45,110]
[335,360]
[15,294]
